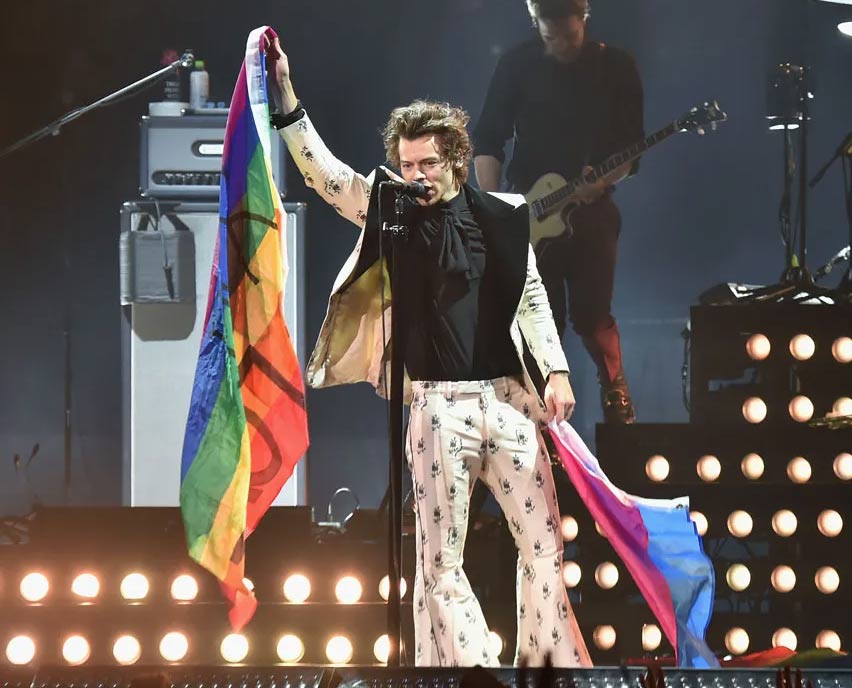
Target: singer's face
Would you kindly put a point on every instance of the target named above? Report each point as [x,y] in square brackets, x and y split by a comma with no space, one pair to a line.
[420,160]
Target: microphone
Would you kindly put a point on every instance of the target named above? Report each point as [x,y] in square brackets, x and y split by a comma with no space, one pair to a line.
[409,189]
[187,59]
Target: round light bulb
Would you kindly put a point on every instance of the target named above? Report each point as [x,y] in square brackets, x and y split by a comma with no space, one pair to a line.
[174,646]
[339,650]
[841,349]
[740,523]
[738,577]
[843,466]
[736,640]
[828,640]
[657,468]
[830,523]
[799,470]
[34,587]
[184,588]
[126,650]
[234,648]
[784,637]
[827,580]
[783,578]
[784,522]
[604,637]
[709,469]
[700,521]
[76,650]
[801,409]
[606,575]
[290,648]
[297,588]
[571,574]
[570,528]
[842,407]
[381,649]
[495,644]
[754,410]
[752,466]
[758,347]
[348,590]
[384,588]
[651,637]
[20,650]
[134,586]
[86,585]
[802,347]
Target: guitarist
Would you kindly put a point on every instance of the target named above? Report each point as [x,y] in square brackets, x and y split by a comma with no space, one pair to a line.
[569,103]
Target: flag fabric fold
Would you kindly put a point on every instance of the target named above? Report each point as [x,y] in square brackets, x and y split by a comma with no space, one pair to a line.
[658,544]
[247,423]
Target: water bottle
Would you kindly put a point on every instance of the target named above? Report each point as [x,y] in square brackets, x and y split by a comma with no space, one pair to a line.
[199,86]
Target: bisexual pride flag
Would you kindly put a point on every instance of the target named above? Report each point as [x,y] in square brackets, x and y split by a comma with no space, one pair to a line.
[658,544]
[247,425]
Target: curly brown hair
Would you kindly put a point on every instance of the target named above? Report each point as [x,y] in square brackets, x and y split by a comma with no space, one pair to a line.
[423,117]
[557,9]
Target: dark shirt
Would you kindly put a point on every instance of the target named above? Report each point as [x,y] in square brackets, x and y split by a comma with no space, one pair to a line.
[455,331]
[562,116]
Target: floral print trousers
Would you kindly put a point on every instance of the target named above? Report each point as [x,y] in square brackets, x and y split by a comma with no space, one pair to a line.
[458,432]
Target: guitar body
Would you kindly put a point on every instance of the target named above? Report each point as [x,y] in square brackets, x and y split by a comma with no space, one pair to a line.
[555,223]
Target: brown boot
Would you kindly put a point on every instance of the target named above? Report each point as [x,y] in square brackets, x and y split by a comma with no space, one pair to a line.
[616,402]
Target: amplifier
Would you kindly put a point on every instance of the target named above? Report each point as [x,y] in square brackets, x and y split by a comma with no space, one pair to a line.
[181,157]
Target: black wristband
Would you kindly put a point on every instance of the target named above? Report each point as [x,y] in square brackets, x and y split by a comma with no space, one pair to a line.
[279,121]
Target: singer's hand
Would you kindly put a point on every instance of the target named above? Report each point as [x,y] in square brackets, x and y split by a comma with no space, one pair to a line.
[277,56]
[558,397]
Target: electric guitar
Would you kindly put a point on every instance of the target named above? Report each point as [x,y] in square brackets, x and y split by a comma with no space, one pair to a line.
[551,199]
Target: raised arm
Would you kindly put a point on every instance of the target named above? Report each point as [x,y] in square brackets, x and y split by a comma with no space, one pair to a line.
[347,191]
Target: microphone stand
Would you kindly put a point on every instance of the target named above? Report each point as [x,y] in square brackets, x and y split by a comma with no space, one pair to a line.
[398,234]
[54,129]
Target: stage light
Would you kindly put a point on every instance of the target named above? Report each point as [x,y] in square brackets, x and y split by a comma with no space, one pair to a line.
[297,588]
[651,637]
[784,522]
[348,590]
[842,407]
[827,580]
[802,347]
[830,523]
[234,647]
[290,648]
[700,521]
[799,470]
[249,583]
[657,468]
[495,644]
[600,530]
[843,466]
[709,469]
[86,585]
[801,409]
[76,650]
[783,578]
[34,587]
[126,650]
[846,29]
[384,588]
[381,649]
[754,410]
[752,466]
[841,349]
[570,528]
[604,637]
[184,588]
[784,637]
[20,650]
[740,523]
[134,586]
[828,640]
[174,646]
[758,347]
[606,575]
[571,574]
[339,650]
[736,640]
[738,577]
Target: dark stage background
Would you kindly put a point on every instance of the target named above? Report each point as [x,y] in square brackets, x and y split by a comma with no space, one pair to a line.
[701,211]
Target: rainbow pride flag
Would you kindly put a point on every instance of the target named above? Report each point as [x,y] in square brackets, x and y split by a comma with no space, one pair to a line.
[247,424]
[658,544]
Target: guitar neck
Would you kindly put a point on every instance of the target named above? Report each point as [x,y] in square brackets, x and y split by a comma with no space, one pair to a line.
[612,162]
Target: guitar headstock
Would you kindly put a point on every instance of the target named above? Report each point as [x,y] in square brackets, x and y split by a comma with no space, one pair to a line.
[702,117]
